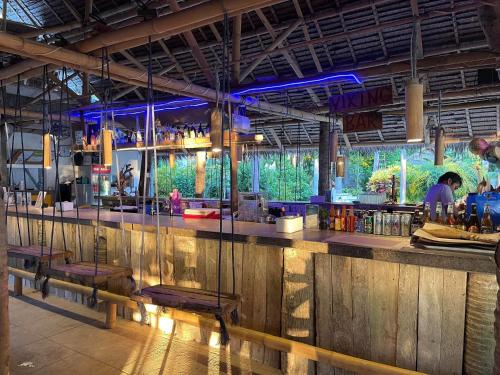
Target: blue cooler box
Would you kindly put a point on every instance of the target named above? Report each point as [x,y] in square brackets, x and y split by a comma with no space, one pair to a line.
[492,198]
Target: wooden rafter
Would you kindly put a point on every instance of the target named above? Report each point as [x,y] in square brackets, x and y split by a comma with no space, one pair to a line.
[72,10]
[416,13]
[172,58]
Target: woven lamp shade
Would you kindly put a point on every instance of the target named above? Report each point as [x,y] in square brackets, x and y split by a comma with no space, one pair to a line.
[216,130]
[414,100]
[107,147]
[340,166]
[47,151]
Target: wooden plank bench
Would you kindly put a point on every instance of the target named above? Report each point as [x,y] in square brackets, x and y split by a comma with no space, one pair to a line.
[84,273]
[196,300]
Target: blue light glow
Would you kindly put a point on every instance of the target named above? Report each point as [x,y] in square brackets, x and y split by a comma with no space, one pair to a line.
[141,109]
[301,83]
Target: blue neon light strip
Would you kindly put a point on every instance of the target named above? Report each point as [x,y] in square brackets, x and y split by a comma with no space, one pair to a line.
[300,83]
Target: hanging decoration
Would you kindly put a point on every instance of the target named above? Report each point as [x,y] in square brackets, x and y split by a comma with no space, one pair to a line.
[216,130]
[171,159]
[47,151]
[414,100]
[440,138]
[340,166]
[107,143]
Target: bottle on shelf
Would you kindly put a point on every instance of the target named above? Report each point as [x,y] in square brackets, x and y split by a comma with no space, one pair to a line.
[416,222]
[427,213]
[450,216]
[473,224]
[338,220]
[332,218]
[200,134]
[192,132]
[486,223]
[351,221]
[439,213]
[185,131]
[461,222]
[343,217]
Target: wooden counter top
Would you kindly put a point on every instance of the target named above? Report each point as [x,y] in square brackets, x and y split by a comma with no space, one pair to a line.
[357,245]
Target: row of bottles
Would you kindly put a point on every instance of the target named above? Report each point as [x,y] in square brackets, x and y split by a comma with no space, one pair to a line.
[340,220]
[461,221]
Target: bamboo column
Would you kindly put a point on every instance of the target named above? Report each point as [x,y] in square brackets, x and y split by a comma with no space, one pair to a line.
[199,186]
[324,159]
[4,298]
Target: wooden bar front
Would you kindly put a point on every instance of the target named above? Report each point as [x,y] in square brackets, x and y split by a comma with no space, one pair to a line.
[394,304]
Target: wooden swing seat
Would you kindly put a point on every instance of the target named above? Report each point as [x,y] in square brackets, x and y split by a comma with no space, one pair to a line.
[84,272]
[196,300]
[33,253]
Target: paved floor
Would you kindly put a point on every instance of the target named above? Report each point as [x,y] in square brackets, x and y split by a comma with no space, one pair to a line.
[57,336]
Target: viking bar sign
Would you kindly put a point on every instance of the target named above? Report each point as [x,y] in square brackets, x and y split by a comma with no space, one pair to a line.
[362,122]
[372,98]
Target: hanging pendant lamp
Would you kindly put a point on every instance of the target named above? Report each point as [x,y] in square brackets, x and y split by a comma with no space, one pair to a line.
[216,130]
[171,159]
[107,149]
[47,151]
[414,100]
[340,166]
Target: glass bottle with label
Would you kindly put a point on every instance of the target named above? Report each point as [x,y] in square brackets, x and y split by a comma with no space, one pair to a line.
[416,222]
[343,218]
[450,216]
[332,218]
[486,223]
[439,213]
[473,225]
[338,220]
[427,213]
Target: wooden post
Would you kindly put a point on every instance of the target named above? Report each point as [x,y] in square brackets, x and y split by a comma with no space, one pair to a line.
[18,286]
[110,315]
[201,162]
[234,172]
[402,178]
[4,297]
[324,159]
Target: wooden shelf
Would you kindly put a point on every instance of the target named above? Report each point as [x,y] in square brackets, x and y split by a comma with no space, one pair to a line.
[189,143]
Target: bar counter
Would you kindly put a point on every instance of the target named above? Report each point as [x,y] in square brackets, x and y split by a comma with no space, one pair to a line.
[375,297]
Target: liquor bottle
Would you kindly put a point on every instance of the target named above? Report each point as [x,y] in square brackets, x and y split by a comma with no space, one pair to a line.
[338,220]
[200,134]
[343,218]
[473,225]
[450,216]
[486,223]
[351,221]
[185,132]
[427,213]
[332,218]
[461,222]
[416,222]
[192,132]
[439,213]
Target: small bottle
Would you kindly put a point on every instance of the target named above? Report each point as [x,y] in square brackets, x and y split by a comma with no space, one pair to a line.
[486,223]
[416,222]
[461,223]
[282,211]
[338,220]
[185,132]
[450,216]
[343,218]
[351,221]
[192,132]
[427,213]
[200,134]
[473,225]
[332,218]
[439,213]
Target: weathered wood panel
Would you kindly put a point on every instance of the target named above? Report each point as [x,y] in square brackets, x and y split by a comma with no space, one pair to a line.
[298,307]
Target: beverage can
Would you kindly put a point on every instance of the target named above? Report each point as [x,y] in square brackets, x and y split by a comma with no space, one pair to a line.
[396,224]
[369,224]
[406,224]
[377,222]
[386,224]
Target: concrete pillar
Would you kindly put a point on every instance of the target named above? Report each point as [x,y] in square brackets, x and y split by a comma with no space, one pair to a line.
[199,186]
[402,178]
[255,173]
[323,159]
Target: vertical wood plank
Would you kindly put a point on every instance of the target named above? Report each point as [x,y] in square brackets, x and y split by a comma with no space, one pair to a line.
[453,322]
[259,299]
[383,310]
[406,354]
[247,294]
[298,307]
[185,254]
[323,301]
[361,308]
[430,310]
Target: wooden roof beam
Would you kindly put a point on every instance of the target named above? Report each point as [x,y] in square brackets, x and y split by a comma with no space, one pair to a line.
[276,138]
[172,58]
[72,10]
[416,13]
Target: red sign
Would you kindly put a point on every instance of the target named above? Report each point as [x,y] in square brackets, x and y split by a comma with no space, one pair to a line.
[362,122]
[100,169]
[372,98]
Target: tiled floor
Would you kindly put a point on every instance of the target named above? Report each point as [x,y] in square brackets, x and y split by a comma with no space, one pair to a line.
[57,336]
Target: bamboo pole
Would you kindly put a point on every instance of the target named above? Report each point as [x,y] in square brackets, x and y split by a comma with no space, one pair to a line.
[4,294]
[338,360]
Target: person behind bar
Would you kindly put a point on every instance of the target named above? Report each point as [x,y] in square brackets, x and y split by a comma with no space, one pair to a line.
[443,192]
